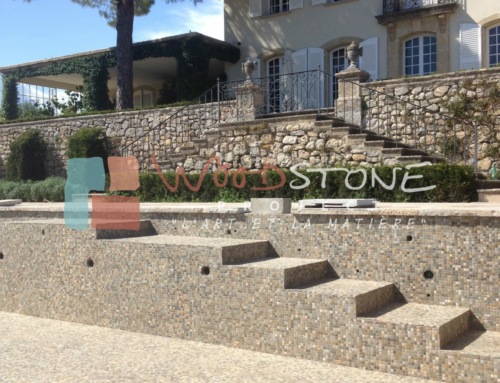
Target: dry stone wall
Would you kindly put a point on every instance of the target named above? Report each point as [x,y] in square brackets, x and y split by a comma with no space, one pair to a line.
[415,111]
[121,129]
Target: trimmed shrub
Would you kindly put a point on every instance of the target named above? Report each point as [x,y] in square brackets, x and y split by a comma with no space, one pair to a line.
[88,143]
[51,189]
[26,160]
[454,183]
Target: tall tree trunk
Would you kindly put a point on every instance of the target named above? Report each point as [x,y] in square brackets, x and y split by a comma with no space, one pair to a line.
[124,56]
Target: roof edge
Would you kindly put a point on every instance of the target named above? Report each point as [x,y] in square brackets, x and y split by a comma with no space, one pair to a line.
[11,68]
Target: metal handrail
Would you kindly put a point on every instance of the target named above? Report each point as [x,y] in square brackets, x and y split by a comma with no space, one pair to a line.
[295,92]
[394,6]
[366,122]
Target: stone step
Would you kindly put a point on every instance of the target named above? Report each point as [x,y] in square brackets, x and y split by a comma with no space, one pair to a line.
[293,272]
[200,141]
[103,232]
[400,152]
[448,322]
[232,251]
[361,296]
[189,150]
[356,139]
[405,160]
[163,164]
[322,125]
[383,144]
[340,132]
[177,157]
[477,343]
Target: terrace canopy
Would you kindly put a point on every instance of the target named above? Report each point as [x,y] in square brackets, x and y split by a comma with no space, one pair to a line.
[193,60]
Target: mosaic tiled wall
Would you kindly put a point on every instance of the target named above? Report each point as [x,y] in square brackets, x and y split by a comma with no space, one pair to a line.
[152,286]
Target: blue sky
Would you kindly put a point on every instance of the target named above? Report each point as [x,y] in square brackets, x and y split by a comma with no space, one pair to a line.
[42,29]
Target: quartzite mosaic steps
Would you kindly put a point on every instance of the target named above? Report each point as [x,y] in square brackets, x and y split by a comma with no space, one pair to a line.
[366,296]
[154,285]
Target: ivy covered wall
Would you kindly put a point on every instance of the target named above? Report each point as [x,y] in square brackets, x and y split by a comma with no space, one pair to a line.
[193,54]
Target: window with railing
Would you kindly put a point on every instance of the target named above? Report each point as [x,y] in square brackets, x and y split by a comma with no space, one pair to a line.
[391,6]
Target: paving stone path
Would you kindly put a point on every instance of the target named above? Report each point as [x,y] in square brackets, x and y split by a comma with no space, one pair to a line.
[43,350]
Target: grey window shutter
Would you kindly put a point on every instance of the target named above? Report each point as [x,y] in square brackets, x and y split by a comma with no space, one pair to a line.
[255,7]
[470,46]
[369,61]
[296,4]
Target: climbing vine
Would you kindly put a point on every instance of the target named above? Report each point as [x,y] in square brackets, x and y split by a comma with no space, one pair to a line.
[10,98]
[193,54]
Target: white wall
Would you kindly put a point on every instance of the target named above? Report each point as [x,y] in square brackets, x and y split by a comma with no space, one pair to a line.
[314,26]
[302,28]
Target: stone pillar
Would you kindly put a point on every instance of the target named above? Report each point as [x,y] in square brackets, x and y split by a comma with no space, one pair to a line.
[250,101]
[349,104]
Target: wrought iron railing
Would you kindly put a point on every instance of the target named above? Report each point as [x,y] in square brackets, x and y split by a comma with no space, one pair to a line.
[425,129]
[392,6]
[230,101]
[406,124]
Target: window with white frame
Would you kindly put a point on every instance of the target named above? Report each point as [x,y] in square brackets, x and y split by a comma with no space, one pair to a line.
[273,84]
[338,64]
[420,56]
[278,6]
[494,46]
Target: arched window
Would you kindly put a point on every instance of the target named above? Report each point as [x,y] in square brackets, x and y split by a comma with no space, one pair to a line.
[420,56]
[338,64]
[274,69]
[494,46]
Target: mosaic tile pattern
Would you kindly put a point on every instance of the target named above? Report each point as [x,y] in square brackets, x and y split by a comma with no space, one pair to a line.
[156,286]
[42,350]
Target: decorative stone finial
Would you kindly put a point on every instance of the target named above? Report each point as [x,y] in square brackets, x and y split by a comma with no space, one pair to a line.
[249,67]
[353,53]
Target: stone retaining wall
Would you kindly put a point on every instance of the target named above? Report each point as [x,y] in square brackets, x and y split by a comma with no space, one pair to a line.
[121,129]
[427,96]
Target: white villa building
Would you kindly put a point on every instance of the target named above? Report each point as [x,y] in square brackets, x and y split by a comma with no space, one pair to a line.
[400,37]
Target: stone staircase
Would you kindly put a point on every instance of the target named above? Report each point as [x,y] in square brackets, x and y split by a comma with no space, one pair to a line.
[364,145]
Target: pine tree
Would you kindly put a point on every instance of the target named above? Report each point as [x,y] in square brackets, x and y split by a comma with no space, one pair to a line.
[120,14]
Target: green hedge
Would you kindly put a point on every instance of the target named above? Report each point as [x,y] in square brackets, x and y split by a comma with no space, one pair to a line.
[88,143]
[26,160]
[454,183]
[51,189]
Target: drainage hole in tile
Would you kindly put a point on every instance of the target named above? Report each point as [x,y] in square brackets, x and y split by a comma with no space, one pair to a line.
[1,255]
[229,232]
[205,270]
[409,238]
[428,274]
[90,263]
[43,232]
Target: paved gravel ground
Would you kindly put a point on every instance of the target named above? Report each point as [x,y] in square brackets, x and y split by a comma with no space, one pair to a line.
[43,350]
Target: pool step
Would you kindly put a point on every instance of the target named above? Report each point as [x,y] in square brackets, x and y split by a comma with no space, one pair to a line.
[361,296]
[232,251]
[448,322]
[290,272]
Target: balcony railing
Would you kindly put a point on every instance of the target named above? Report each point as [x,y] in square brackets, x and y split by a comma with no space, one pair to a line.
[393,6]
